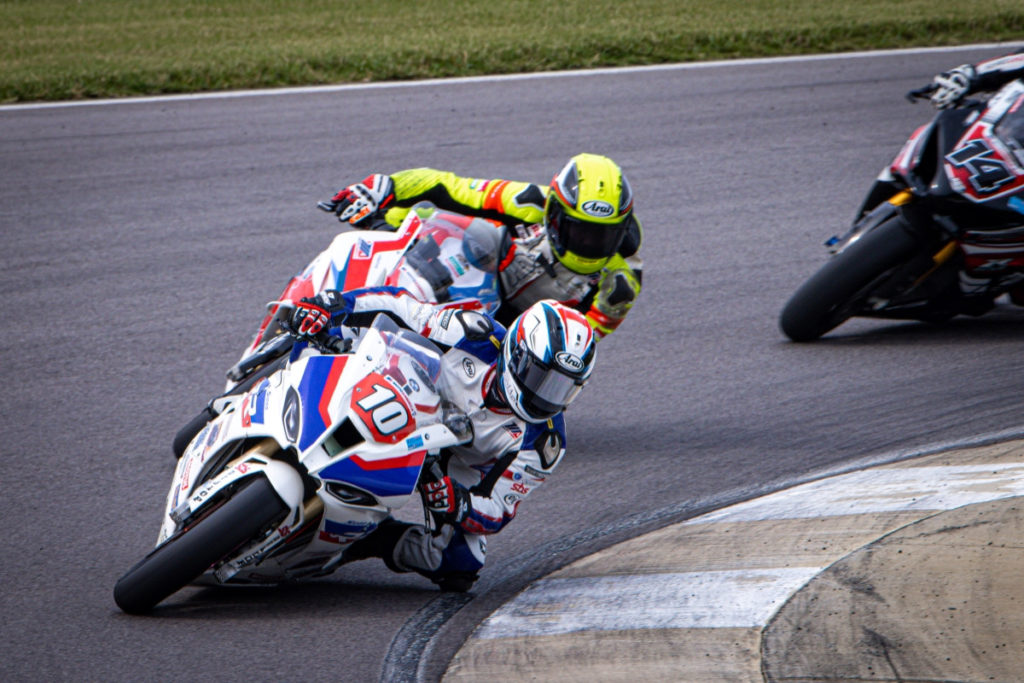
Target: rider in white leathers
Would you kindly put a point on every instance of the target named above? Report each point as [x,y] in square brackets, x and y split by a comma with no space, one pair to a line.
[513,387]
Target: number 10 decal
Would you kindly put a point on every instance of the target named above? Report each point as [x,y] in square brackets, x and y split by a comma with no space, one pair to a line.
[382,409]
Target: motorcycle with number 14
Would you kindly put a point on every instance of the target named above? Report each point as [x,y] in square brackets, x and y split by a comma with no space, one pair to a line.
[940,234]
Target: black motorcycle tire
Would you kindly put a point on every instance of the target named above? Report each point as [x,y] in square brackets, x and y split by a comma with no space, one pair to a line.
[185,435]
[185,556]
[834,293]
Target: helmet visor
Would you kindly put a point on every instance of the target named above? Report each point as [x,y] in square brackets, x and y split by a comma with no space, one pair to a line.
[546,391]
[584,238]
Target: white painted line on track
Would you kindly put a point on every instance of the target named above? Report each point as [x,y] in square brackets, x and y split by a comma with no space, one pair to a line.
[663,600]
[433,82]
[884,490]
[647,601]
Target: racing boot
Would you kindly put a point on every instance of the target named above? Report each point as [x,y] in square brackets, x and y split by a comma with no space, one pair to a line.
[453,582]
[380,542]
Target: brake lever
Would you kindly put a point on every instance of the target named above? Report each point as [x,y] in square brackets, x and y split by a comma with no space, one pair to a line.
[922,93]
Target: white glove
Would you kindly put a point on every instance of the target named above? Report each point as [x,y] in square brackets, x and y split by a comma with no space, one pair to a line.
[359,204]
[951,86]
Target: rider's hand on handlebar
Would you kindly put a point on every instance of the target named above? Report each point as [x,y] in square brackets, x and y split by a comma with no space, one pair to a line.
[361,203]
[949,87]
[445,499]
[309,318]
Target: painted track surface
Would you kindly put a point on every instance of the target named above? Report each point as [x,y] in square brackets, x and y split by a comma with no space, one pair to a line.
[903,572]
[139,241]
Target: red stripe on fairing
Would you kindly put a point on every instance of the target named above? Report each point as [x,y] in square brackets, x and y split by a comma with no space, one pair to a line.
[411,460]
[358,269]
[337,365]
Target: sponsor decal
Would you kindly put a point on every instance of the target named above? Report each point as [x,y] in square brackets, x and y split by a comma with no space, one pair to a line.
[331,538]
[446,318]
[512,499]
[569,361]
[414,442]
[345,531]
[291,415]
[520,488]
[255,402]
[363,250]
[535,472]
[456,266]
[598,208]
[513,429]
[469,367]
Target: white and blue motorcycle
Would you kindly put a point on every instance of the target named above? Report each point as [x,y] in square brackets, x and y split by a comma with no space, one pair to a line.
[289,474]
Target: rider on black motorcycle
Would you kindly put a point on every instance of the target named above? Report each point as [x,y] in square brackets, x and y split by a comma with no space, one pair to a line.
[575,241]
[950,87]
[513,387]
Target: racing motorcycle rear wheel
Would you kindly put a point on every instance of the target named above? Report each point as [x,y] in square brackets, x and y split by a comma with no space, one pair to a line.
[839,289]
[186,555]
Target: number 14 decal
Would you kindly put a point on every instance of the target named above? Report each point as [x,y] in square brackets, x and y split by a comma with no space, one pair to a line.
[988,172]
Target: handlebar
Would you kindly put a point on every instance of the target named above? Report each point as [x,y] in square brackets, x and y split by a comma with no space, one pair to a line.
[922,93]
[275,348]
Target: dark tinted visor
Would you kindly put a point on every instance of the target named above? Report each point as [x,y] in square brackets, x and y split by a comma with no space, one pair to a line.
[546,390]
[585,239]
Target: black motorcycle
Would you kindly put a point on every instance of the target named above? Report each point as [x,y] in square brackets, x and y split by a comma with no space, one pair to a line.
[941,232]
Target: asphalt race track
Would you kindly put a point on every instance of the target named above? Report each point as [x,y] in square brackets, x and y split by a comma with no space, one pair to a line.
[139,242]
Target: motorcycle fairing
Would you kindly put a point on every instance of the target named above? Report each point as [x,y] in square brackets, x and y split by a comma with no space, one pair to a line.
[384,478]
[316,388]
[350,261]
[982,165]
[449,275]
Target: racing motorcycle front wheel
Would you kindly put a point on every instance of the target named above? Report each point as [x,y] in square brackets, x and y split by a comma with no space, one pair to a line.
[839,289]
[186,555]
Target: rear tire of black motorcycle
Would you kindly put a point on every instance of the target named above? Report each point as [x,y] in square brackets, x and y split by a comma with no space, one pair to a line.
[820,304]
[182,559]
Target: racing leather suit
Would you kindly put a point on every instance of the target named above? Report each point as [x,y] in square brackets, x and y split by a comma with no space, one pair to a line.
[528,270]
[507,457]
[992,74]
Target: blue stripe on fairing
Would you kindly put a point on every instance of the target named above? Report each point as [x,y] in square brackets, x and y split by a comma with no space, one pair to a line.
[397,481]
[311,389]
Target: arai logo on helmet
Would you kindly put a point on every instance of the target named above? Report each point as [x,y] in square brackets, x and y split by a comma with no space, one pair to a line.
[569,361]
[595,207]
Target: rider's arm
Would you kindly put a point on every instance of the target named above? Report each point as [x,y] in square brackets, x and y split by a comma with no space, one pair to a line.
[992,74]
[618,287]
[494,501]
[507,201]
[358,308]
[614,294]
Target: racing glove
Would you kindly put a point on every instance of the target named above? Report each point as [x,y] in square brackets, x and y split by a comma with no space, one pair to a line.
[949,87]
[445,499]
[312,315]
[363,202]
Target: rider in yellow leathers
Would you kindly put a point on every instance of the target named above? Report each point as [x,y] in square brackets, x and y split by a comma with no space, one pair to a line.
[575,241]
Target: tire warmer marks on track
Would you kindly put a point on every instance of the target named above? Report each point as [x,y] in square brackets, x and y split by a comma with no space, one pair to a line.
[859,575]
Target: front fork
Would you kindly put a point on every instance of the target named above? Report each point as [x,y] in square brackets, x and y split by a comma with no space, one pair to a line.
[916,221]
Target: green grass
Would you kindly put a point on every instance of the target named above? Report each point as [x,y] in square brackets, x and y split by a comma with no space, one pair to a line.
[63,49]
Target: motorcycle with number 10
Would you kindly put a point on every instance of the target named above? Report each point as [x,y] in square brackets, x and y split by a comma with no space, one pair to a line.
[293,471]
[940,234]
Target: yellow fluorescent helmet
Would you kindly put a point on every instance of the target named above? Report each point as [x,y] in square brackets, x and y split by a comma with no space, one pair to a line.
[588,210]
